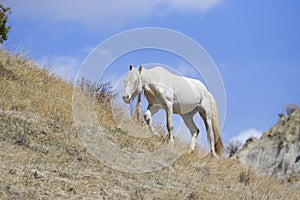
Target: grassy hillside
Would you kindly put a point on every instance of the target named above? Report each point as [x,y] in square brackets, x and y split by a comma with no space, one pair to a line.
[42,157]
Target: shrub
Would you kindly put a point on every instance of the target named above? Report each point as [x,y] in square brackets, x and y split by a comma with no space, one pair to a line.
[4,12]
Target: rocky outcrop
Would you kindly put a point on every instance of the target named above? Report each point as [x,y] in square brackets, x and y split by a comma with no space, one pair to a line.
[277,152]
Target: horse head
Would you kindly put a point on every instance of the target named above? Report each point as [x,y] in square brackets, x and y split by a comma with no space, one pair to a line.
[133,84]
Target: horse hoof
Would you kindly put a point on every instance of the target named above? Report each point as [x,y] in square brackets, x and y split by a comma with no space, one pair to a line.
[171,140]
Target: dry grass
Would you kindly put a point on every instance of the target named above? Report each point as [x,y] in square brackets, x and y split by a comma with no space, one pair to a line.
[42,157]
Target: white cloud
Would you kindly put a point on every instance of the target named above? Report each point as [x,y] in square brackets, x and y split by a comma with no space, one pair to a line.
[244,135]
[237,142]
[192,5]
[63,66]
[113,13]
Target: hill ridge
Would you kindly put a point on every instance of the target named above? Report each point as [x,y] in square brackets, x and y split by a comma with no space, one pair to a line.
[277,152]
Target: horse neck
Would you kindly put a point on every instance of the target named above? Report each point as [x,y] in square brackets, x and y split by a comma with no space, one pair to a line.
[145,78]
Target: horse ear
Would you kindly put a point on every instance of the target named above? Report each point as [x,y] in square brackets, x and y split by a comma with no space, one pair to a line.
[140,68]
[130,67]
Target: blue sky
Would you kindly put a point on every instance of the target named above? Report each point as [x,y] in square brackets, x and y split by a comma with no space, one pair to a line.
[255,44]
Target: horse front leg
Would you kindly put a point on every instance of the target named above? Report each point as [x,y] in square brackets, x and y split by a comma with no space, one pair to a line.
[138,108]
[151,110]
[169,114]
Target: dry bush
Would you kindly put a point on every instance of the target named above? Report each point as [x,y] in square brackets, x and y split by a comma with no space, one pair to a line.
[290,108]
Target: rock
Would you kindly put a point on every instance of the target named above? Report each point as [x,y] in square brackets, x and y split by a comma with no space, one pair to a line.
[277,152]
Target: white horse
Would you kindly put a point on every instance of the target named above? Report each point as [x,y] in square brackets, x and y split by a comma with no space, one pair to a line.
[176,95]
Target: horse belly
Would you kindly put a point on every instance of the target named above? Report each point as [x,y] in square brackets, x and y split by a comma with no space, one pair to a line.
[184,107]
[186,98]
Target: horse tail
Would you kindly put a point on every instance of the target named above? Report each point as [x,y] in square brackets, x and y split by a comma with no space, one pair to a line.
[219,147]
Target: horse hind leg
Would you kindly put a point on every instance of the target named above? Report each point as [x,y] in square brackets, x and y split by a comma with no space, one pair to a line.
[207,118]
[189,122]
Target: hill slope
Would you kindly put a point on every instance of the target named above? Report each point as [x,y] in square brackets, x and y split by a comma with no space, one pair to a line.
[277,152]
[42,156]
